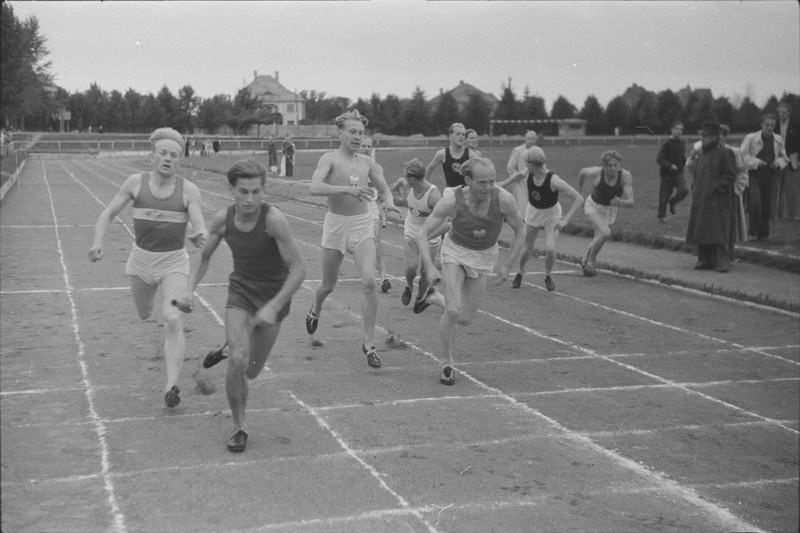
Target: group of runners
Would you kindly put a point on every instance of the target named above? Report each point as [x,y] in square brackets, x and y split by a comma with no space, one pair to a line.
[450,241]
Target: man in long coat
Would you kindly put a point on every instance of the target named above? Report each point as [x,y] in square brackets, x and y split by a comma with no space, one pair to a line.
[712,197]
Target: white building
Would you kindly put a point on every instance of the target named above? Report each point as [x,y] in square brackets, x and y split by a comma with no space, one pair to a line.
[277,98]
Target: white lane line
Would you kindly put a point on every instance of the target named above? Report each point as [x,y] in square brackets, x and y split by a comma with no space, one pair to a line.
[99,427]
[666,429]
[636,370]
[369,468]
[662,324]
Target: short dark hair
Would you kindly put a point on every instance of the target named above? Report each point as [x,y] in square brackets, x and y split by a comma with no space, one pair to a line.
[676,123]
[247,168]
[769,116]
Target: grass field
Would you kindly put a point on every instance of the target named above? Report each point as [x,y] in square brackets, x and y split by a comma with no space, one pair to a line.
[639,224]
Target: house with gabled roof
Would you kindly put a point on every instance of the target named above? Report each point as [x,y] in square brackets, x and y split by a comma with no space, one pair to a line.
[277,98]
[462,93]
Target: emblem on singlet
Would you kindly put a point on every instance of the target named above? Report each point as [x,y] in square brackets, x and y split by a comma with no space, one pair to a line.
[415,211]
[456,167]
[479,233]
[535,196]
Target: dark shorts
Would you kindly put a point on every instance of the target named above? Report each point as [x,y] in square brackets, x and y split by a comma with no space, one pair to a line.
[250,296]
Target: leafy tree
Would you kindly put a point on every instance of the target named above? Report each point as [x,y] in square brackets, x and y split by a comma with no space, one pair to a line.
[669,109]
[96,104]
[617,114]
[446,113]
[390,114]
[415,114]
[723,111]
[594,115]
[114,112]
[214,112]
[187,109]
[748,117]
[696,111]
[644,114]
[508,107]
[771,106]
[533,108]
[132,101]
[563,108]
[476,113]
[24,73]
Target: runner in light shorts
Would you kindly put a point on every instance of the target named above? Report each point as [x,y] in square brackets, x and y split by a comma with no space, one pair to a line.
[153,267]
[345,233]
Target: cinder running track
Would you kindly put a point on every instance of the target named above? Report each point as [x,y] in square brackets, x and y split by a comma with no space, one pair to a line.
[608,405]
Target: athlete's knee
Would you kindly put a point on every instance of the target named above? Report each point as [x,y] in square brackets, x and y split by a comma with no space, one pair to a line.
[604,232]
[368,285]
[237,359]
[550,248]
[326,288]
[252,370]
[172,319]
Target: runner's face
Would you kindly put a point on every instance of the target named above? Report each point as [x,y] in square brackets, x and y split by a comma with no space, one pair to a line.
[166,157]
[247,194]
[530,139]
[768,126]
[472,140]
[351,134]
[611,167]
[677,130]
[366,147]
[482,181]
[457,136]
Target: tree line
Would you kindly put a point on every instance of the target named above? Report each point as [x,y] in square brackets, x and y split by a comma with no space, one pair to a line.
[31,101]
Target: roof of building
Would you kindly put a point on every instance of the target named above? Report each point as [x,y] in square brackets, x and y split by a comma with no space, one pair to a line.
[462,93]
[270,90]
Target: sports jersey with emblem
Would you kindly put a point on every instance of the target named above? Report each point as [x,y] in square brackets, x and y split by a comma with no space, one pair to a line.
[159,224]
[541,197]
[451,167]
[472,231]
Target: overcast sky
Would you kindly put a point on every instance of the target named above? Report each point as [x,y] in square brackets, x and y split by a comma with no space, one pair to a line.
[354,49]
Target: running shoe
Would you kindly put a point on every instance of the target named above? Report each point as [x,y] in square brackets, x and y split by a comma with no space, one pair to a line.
[172,397]
[548,282]
[238,441]
[422,303]
[448,376]
[385,286]
[517,283]
[312,321]
[372,357]
[589,271]
[406,297]
[214,356]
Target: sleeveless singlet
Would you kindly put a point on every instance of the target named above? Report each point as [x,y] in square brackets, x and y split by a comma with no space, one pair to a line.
[544,196]
[159,224]
[476,232]
[451,166]
[603,192]
[418,209]
[255,254]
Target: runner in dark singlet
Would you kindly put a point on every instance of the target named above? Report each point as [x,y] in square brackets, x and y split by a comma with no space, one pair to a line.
[613,188]
[267,270]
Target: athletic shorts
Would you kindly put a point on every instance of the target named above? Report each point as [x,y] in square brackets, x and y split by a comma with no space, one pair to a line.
[474,262]
[539,218]
[608,212]
[250,296]
[410,236]
[153,267]
[345,233]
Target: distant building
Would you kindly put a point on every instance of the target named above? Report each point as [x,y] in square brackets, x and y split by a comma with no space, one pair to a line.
[277,98]
[702,95]
[462,93]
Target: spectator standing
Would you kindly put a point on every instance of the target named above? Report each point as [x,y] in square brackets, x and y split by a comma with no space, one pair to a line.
[287,163]
[272,151]
[764,154]
[714,176]
[216,146]
[517,164]
[671,159]
[789,178]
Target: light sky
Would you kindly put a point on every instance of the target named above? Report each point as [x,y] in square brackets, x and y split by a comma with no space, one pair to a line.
[353,49]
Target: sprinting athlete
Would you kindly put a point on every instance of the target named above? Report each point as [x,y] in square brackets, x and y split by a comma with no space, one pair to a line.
[163,203]
[613,188]
[543,211]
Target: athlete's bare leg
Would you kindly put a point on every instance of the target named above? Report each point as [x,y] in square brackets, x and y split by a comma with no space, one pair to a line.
[364,257]
[331,263]
[173,286]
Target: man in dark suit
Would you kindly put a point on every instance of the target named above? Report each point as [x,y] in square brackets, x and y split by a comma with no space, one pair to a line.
[788,189]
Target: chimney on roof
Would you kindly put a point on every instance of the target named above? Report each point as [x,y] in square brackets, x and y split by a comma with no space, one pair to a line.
[441,91]
[255,74]
[461,82]
[276,76]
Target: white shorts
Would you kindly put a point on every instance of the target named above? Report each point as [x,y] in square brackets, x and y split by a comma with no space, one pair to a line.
[608,212]
[345,233]
[474,262]
[539,218]
[410,235]
[153,267]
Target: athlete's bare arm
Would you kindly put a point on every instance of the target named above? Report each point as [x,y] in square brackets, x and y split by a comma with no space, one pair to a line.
[216,233]
[626,200]
[557,184]
[377,179]
[126,193]
[437,161]
[589,173]
[446,207]
[191,196]
[278,229]
[508,207]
